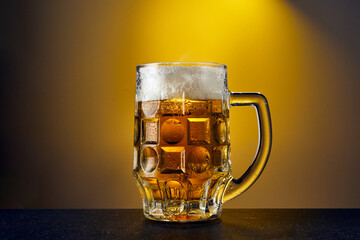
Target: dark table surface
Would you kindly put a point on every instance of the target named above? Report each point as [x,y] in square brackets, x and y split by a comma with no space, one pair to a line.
[131,224]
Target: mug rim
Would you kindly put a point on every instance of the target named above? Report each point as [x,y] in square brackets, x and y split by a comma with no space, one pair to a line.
[183,64]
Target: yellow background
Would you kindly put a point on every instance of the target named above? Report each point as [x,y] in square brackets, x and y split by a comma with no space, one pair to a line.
[70,123]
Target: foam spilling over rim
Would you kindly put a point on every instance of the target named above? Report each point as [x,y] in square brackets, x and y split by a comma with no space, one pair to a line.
[161,82]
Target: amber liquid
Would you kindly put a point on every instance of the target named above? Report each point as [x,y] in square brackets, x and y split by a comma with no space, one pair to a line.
[181,152]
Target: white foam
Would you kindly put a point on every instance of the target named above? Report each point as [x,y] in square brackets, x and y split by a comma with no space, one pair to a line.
[160,82]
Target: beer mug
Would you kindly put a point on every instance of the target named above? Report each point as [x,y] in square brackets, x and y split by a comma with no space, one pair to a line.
[182,161]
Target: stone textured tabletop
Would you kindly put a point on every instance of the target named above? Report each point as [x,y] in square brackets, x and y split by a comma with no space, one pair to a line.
[131,224]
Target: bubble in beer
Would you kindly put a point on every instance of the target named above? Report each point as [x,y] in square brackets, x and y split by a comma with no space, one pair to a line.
[219,131]
[173,159]
[172,107]
[217,107]
[149,159]
[172,131]
[150,130]
[199,159]
[197,107]
[198,131]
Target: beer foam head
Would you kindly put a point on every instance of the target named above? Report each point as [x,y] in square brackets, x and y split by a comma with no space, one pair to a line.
[169,81]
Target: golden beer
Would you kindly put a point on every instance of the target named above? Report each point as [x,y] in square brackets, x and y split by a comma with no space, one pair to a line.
[181,156]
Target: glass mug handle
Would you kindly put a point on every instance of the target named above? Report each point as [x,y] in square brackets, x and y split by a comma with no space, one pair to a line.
[240,185]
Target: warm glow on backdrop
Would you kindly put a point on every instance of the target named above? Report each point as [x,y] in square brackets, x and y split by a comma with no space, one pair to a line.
[79,99]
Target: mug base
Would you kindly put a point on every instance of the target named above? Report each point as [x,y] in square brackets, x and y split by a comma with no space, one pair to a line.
[180,211]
